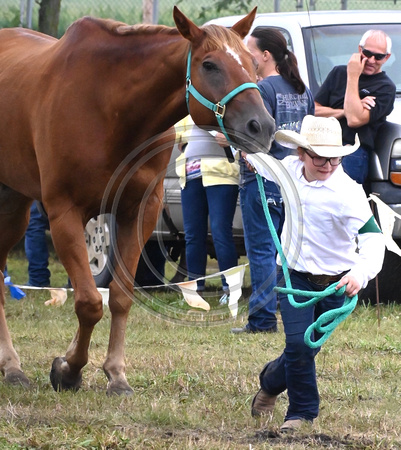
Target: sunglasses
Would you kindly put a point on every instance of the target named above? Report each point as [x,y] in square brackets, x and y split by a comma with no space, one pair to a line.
[378,56]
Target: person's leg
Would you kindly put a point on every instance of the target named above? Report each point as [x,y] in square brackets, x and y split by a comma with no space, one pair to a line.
[150,270]
[299,359]
[356,165]
[261,252]
[222,202]
[36,249]
[272,377]
[195,215]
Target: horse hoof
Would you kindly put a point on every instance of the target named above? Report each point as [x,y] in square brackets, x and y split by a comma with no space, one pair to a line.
[17,378]
[63,380]
[119,388]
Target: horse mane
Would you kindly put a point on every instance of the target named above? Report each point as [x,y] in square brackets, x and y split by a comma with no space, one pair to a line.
[218,37]
[121,28]
[143,29]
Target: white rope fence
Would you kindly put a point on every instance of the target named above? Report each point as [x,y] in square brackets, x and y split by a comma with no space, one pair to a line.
[234,278]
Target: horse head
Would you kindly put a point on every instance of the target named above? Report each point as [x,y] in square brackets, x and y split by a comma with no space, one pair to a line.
[221,83]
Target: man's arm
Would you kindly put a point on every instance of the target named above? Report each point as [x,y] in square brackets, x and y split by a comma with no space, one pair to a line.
[327,111]
[355,110]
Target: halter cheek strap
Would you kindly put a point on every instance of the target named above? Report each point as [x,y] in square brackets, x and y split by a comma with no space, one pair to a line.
[218,108]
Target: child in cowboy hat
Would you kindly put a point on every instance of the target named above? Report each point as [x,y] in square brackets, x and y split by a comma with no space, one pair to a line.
[335,212]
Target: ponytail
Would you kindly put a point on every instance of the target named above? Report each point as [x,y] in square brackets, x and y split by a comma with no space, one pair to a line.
[273,41]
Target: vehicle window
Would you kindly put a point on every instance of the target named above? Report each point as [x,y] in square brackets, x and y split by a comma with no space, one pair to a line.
[329,46]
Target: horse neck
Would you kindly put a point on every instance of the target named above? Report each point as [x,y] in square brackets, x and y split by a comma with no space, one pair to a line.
[137,78]
[161,97]
[168,82]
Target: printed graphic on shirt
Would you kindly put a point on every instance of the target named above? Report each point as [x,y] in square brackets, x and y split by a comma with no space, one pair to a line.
[288,110]
[192,168]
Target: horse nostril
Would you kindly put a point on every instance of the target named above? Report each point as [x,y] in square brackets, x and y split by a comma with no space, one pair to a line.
[254,127]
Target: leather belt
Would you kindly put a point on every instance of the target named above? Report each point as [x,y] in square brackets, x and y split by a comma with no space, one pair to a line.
[324,280]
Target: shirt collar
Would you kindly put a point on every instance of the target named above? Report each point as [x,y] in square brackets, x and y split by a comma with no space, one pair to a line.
[331,183]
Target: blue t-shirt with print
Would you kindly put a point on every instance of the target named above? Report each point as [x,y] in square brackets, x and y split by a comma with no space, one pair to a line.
[287,107]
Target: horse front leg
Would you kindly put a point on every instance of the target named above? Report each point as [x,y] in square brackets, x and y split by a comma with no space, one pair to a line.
[10,365]
[121,295]
[68,237]
[14,218]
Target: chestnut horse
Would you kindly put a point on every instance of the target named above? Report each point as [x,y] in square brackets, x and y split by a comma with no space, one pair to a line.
[77,118]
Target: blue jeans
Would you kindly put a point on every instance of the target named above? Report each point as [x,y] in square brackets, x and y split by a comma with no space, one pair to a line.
[216,203]
[356,165]
[36,249]
[261,251]
[295,369]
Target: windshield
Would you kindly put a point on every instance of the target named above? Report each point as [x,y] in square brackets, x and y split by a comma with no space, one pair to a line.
[329,46]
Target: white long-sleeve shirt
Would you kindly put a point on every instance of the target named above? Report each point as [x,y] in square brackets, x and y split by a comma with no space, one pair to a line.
[330,213]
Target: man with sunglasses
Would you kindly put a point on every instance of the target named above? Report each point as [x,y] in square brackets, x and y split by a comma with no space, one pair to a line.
[361,96]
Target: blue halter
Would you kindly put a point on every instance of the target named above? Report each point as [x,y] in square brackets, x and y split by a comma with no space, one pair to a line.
[218,108]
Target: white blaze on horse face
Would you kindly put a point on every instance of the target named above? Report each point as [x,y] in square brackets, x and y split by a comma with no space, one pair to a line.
[237,58]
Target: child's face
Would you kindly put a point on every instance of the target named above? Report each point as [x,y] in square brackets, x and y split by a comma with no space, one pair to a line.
[313,173]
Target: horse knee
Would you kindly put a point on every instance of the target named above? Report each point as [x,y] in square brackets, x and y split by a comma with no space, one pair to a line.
[89,309]
[119,302]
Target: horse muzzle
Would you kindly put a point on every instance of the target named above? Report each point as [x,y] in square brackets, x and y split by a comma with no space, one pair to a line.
[254,135]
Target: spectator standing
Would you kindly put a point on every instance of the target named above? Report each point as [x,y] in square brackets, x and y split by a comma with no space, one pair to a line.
[335,213]
[36,248]
[288,100]
[209,184]
[360,95]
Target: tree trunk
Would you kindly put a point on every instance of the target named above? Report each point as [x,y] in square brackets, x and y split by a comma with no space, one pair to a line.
[147,9]
[49,13]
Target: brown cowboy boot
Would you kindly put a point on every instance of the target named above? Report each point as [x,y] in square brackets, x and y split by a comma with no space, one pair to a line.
[292,425]
[263,403]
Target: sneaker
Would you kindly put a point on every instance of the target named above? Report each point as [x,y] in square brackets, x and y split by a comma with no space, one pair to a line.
[224,299]
[263,403]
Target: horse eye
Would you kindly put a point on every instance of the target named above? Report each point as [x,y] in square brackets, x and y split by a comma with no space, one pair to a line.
[209,66]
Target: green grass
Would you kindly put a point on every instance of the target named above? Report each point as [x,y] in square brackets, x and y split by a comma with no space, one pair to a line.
[193,386]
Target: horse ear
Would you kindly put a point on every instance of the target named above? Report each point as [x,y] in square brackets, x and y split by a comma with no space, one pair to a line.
[244,25]
[186,27]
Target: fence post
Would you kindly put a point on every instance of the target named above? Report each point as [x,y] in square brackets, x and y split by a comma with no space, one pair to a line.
[276,5]
[155,11]
[343,4]
[25,15]
[299,5]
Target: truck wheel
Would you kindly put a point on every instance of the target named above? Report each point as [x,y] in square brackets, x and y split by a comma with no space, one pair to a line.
[100,252]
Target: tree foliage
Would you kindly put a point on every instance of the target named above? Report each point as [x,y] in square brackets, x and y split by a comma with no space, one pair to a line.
[226,7]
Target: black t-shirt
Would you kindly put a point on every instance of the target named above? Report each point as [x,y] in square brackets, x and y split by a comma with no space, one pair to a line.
[332,93]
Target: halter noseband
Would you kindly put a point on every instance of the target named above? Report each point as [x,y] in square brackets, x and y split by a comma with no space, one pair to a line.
[218,108]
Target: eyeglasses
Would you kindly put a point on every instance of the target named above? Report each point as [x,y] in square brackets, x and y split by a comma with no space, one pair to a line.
[369,54]
[320,161]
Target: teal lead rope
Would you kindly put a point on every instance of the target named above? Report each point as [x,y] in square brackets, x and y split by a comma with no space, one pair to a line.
[328,321]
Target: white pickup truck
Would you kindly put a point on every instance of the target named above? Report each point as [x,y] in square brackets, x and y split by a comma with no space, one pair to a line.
[324,39]
[320,40]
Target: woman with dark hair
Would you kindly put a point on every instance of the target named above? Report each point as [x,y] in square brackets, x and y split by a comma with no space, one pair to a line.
[284,93]
[288,100]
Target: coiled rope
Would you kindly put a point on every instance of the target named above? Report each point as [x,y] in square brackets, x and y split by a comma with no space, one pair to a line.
[328,321]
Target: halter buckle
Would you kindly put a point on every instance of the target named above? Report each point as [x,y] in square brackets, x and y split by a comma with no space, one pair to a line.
[220,110]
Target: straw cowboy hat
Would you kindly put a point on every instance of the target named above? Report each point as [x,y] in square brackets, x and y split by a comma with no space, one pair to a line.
[321,135]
